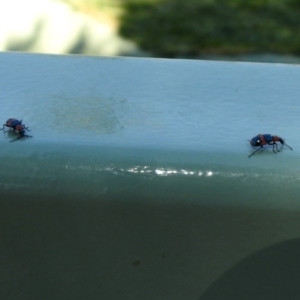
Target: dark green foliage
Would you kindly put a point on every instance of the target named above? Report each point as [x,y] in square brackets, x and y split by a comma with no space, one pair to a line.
[174,28]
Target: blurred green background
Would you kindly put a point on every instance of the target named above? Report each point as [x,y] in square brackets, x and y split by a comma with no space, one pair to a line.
[158,28]
[193,28]
[172,28]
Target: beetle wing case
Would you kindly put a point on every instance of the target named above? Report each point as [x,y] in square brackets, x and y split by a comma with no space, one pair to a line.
[268,138]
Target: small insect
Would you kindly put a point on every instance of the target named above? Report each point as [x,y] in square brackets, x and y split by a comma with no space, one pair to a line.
[17,126]
[266,139]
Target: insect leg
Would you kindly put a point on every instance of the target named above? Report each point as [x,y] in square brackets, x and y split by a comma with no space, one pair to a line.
[287,145]
[274,145]
[255,151]
[16,138]
[4,125]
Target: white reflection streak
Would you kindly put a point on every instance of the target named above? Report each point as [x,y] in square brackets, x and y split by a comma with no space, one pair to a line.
[133,170]
[172,172]
[163,172]
[236,174]
[160,172]
[153,171]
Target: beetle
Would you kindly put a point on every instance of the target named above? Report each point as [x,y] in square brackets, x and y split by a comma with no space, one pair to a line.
[17,125]
[266,139]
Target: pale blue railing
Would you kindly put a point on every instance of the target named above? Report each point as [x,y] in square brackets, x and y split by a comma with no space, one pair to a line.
[137,182]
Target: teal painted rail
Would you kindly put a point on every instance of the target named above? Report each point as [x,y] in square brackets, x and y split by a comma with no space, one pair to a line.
[137,182]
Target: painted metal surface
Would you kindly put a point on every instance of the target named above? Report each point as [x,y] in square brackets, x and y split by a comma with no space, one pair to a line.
[139,170]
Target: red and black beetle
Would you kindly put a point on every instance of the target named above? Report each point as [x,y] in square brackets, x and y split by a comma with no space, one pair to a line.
[266,139]
[17,126]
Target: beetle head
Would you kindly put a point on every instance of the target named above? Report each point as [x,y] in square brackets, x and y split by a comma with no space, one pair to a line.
[255,141]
